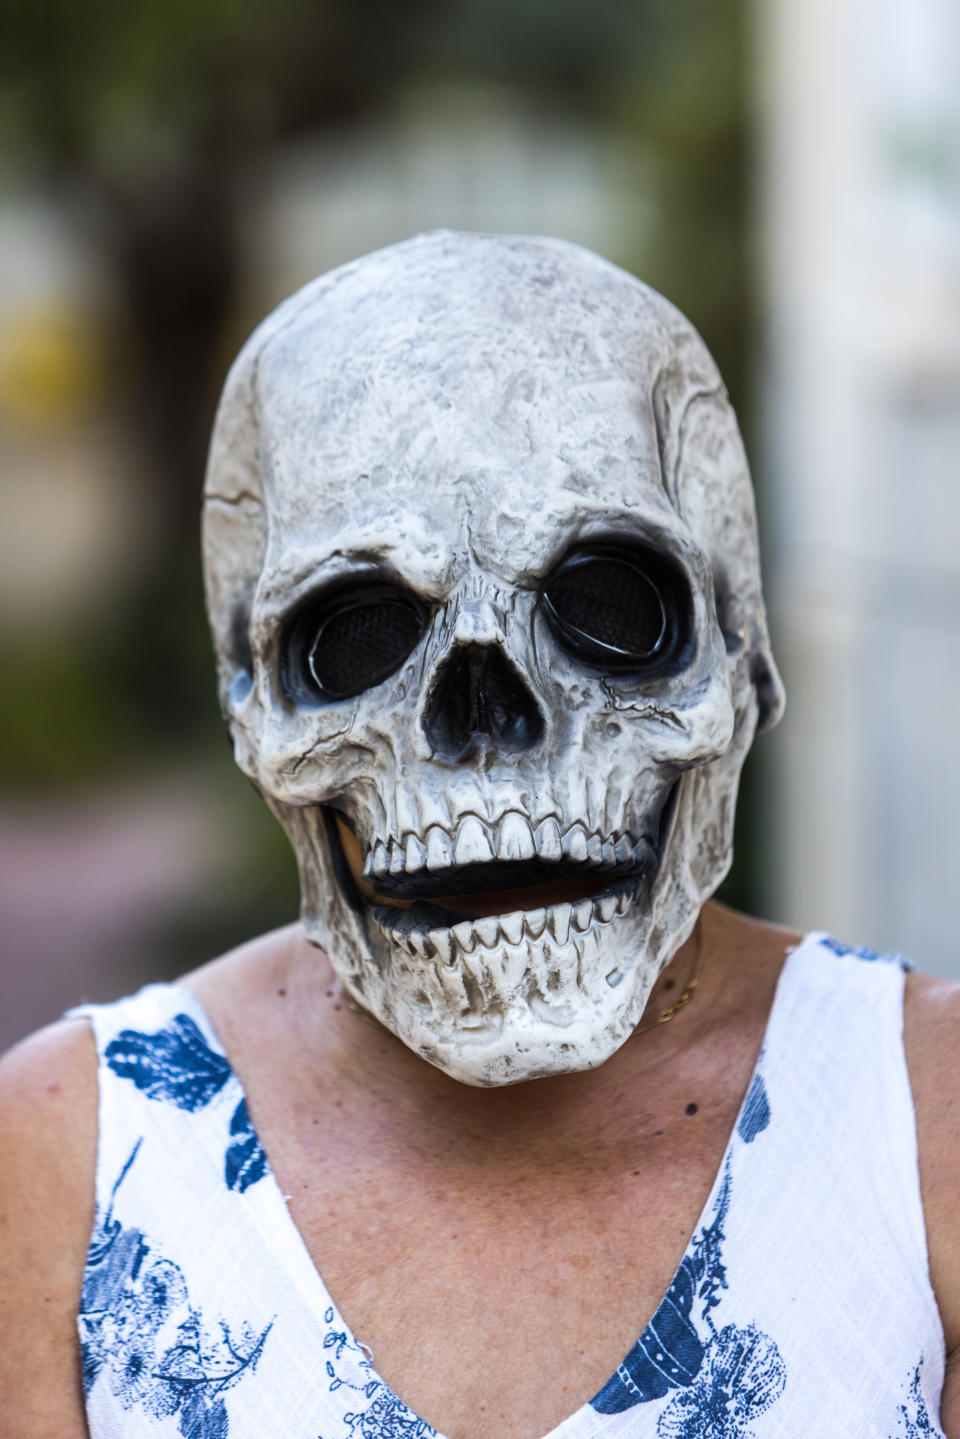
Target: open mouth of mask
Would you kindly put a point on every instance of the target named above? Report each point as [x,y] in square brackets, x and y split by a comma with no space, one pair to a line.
[443,896]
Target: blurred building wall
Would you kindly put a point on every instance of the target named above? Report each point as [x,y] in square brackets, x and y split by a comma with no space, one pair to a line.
[860,182]
[473,155]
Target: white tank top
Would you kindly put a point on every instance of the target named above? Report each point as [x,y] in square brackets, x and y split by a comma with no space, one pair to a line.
[802,1308]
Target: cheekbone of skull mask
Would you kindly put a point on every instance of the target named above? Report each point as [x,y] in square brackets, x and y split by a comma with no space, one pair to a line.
[482,575]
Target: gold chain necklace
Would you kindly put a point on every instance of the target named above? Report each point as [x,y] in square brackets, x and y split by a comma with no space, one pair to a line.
[362,1013]
[688,991]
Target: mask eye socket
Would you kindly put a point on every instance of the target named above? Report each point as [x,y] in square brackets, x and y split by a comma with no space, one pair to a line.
[350,641]
[622,610]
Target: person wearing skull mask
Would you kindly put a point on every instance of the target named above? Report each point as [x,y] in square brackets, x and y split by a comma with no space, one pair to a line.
[483,581]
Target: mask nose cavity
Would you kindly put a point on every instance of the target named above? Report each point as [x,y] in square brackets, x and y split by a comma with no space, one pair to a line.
[479,700]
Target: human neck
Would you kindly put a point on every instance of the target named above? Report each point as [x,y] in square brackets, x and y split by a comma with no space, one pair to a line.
[366,1064]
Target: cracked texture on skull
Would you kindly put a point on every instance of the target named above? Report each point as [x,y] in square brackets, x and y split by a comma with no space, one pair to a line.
[482,576]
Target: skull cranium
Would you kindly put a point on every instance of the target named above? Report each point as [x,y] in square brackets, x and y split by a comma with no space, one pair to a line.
[483,581]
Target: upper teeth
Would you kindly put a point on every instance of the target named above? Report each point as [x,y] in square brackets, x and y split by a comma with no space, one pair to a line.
[477,841]
[549,842]
[473,844]
[439,848]
[515,837]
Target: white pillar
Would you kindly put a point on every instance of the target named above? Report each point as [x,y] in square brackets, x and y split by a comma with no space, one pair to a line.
[860,189]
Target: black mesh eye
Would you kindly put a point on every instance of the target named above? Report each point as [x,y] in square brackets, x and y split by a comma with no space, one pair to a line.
[622,610]
[350,642]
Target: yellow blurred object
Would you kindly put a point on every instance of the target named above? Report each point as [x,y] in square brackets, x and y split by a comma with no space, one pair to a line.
[52,368]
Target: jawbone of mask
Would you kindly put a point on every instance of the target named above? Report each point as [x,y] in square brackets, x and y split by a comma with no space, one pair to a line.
[448,484]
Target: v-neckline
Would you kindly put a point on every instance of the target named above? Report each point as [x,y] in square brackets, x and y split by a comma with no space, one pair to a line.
[283,1238]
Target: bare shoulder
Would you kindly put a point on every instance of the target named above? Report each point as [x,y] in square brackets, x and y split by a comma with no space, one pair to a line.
[245,991]
[248,969]
[932,1043]
[931,1032]
[758,946]
[48,1136]
[48,1139]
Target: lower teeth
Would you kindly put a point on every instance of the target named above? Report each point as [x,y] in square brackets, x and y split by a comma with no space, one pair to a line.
[434,928]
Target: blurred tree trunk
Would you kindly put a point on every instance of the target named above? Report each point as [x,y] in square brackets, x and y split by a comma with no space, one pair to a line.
[175,251]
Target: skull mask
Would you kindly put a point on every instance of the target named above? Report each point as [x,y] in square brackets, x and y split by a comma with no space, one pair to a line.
[483,581]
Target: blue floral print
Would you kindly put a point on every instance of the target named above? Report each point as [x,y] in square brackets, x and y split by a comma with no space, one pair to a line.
[134,1303]
[383,1416]
[756,1111]
[916,1421]
[707,1249]
[246,1161]
[724,1378]
[176,1065]
[862,951]
[668,1353]
[741,1376]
